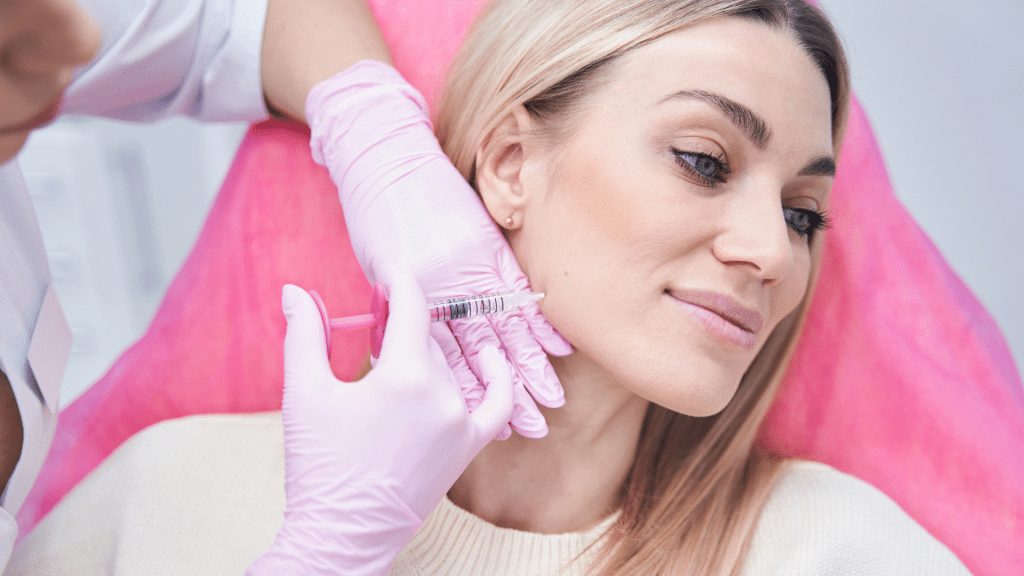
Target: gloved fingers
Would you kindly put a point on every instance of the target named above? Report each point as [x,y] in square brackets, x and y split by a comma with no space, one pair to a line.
[472,388]
[405,337]
[529,359]
[493,414]
[512,275]
[441,367]
[475,333]
[526,417]
[305,345]
[549,338]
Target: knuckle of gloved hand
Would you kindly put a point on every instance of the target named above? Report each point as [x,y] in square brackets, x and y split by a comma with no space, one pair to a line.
[509,323]
[472,333]
[449,413]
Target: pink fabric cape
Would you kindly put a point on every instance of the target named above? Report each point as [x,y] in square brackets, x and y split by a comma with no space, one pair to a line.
[901,378]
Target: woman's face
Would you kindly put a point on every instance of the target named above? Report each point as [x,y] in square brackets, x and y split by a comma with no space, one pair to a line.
[41,41]
[670,232]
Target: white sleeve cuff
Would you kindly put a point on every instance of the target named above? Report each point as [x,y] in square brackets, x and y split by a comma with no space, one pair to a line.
[232,82]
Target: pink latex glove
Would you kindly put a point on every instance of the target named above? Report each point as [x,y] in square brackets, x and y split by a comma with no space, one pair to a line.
[406,206]
[367,461]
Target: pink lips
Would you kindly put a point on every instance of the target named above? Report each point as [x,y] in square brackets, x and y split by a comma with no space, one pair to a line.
[721,315]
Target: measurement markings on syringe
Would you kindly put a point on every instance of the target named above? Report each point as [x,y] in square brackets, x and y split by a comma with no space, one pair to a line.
[466,306]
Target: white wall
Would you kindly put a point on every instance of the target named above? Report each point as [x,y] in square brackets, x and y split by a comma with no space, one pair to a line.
[941,81]
[120,206]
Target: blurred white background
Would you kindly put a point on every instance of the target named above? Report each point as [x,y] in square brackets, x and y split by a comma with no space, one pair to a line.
[121,205]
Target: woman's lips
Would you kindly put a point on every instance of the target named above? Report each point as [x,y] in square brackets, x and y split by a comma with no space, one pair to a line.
[38,121]
[721,315]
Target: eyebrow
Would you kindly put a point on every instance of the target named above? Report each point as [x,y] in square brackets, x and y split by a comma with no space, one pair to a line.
[823,166]
[753,126]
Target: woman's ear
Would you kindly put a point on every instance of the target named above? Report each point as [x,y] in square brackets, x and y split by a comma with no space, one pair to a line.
[499,168]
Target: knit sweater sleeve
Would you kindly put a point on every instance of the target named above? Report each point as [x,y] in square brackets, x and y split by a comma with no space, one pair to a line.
[821,521]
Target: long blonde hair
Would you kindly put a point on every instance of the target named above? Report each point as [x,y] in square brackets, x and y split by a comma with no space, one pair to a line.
[697,485]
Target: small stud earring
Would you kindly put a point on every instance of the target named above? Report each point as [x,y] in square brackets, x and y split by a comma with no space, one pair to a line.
[508,221]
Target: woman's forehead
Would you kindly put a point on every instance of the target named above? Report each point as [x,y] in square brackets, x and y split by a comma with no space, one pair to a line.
[728,59]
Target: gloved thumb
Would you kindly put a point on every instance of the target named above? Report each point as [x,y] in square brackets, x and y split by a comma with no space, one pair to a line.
[305,345]
[496,409]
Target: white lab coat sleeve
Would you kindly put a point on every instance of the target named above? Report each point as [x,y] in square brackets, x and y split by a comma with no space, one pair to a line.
[8,534]
[199,58]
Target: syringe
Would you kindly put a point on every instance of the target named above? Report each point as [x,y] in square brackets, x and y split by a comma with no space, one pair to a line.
[440,311]
[468,306]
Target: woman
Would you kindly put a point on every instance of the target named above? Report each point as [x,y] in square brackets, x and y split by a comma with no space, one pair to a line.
[661,170]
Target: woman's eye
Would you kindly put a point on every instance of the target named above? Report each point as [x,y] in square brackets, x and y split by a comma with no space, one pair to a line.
[805,222]
[707,169]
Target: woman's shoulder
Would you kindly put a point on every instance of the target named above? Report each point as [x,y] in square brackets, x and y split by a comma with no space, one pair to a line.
[207,432]
[819,520]
[196,448]
[204,425]
[194,495]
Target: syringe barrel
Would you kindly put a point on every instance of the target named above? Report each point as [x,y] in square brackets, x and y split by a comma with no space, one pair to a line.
[467,306]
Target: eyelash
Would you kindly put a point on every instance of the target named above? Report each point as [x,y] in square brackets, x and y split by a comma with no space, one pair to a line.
[687,161]
[683,159]
[815,221]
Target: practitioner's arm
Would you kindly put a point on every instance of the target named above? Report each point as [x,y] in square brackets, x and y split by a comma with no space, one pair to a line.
[308,41]
[407,206]
[218,60]
[228,60]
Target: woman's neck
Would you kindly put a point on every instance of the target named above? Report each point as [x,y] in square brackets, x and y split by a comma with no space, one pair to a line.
[571,479]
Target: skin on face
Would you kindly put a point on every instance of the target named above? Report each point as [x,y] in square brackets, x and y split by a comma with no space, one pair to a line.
[41,42]
[632,248]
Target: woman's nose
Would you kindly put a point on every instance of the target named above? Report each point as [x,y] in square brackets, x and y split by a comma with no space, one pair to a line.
[56,36]
[755,235]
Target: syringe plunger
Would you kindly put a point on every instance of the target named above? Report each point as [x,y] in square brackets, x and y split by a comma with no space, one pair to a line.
[442,311]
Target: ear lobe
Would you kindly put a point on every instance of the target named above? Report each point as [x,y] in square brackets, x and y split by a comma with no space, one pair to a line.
[499,166]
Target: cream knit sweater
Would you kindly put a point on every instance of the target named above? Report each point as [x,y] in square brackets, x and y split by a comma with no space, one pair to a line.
[205,495]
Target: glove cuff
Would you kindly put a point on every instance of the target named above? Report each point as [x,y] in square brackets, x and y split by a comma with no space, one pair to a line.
[361,94]
[356,531]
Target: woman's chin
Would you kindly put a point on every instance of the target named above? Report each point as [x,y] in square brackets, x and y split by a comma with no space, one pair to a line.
[701,406]
[703,392]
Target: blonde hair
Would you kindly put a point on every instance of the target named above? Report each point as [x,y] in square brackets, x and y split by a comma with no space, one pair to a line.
[697,485]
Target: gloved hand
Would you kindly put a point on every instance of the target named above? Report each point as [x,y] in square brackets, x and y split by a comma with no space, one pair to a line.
[367,461]
[406,206]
